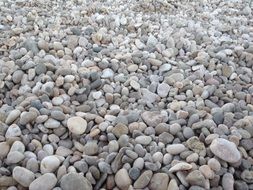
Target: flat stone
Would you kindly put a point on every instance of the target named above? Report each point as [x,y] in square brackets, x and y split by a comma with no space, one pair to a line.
[44,182]
[75,181]
[77,125]
[12,116]
[23,176]
[143,180]
[159,181]
[122,179]
[180,166]
[225,150]
[91,148]
[175,149]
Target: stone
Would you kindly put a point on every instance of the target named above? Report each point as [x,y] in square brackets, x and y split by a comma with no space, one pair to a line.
[225,150]
[23,176]
[163,90]
[241,185]
[196,178]
[49,164]
[143,180]
[214,164]
[90,148]
[143,140]
[227,181]
[27,117]
[194,144]
[120,129]
[40,69]
[75,181]
[175,149]
[247,176]
[173,185]
[15,157]
[31,45]
[134,173]
[17,77]
[52,124]
[12,116]
[159,181]
[153,118]
[44,182]
[206,171]
[4,147]
[135,85]
[77,125]
[122,179]
[148,96]
[180,166]
[13,131]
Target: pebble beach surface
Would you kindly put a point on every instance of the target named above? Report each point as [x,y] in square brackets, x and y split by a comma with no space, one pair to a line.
[126,95]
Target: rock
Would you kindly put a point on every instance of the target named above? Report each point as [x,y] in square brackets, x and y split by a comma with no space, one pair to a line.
[44,182]
[15,157]
[31,45]
[107,73]
[134,173]
[77,125]
[194,144]
[159,181]
[4,147]
[143,180]
[91,148]
[122,179]
[196,178]
[40,68]
[241,185]
[135,85]
[144,140]
[52,124]
[173,185]
[12,116]
[225,150]
[74,181]
[148,96]
[180,166]
[247,176]
[163,90]
[49,164]
[152,41]
[175,149]
[13,131]
[228,181]
[206,171]
[214,164]
[120,129]
[17,77]
[27,117]
[152,118]
[23,176]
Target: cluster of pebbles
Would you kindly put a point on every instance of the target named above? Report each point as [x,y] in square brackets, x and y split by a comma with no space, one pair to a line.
[121,95]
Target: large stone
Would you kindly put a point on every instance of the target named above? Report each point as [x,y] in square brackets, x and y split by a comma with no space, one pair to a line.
[23,176]
[122,179]
[77,125]
[75,181]
[225,150]
[44,182]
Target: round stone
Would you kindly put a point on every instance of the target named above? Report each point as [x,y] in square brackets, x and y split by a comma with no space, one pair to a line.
[122,179]
[77,125]
[44,182]
[49,164]
[74,181]
[225,150]
[23,176]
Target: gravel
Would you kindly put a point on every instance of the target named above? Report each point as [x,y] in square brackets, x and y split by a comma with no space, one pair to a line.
[126,95]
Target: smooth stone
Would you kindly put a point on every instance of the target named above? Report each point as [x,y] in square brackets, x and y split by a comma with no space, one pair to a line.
[159,181]
[135,85]
[143,180]
[57,101]
[180,166]
[77,125]
[44,182]
[75,181]
[23,176]
[52,124]
[214,164]
[120,129]
[122,179]
[90,148]
[49,164]
[206,171]
[12,116]
[13,131]
[225,150]
[4,147]
[227,181]
[148,96]
[15,157]
[175,149]
[163,90]
[134,173]
[27,117]
[58,115]
[196,178]
[173,185]
[17,76]
[144,140]
[247,176]
[196,145]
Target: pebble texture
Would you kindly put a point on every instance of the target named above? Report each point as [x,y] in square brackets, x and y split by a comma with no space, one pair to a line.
[123,95]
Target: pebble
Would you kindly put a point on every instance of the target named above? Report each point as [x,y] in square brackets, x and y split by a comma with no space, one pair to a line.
[163,90]
[143,180]
[143,140]
[122,179]
[75,181]
[13,131]
[225,150]
[159,181]
[77,125]
[23,176]
[175,149]
[12,116]
[180,166]
[196,178]
[49,164]
[228,181]
[44,182]
[90,148]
